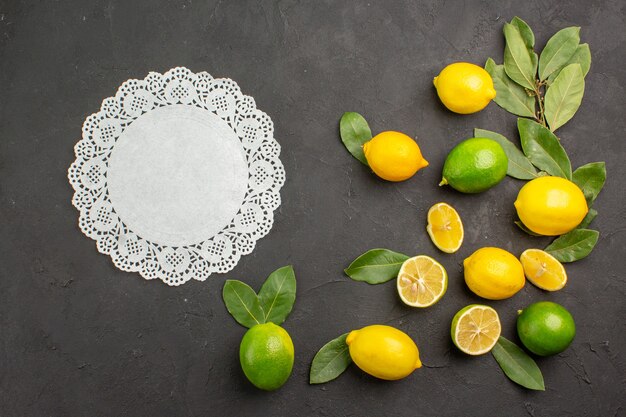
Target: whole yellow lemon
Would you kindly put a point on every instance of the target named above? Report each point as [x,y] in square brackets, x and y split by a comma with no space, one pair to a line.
[464,88]
[493,273]
[383,351]
[551,206]
[394,156]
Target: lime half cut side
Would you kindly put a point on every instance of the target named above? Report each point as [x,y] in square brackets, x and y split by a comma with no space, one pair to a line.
[476,329]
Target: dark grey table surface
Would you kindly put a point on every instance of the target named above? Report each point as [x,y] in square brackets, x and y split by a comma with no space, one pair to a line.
[81,338]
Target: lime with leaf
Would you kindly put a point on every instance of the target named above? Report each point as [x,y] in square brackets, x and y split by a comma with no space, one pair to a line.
[266,352]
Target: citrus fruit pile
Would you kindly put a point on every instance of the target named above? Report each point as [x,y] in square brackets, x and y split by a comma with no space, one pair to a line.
[546,205]
[554,202]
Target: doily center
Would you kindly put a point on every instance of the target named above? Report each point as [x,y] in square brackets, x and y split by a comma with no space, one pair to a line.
[177,175]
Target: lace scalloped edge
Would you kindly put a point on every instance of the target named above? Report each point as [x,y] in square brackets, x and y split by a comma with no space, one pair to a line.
[217,254]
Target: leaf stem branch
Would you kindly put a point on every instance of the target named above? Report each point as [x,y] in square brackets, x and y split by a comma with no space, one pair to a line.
[537,92]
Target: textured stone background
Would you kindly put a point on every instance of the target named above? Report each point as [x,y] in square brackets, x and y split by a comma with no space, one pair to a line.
[81,338]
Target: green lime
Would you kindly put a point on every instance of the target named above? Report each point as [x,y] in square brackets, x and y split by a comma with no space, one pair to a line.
[266,356]
[546,328]
[475,165]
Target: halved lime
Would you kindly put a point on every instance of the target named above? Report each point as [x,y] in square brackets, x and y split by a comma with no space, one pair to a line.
[475,329]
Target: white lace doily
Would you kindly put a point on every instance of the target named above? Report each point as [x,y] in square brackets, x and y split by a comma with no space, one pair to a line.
[177,176]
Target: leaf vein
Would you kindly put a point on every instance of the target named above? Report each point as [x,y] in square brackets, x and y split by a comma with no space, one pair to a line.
[245,306]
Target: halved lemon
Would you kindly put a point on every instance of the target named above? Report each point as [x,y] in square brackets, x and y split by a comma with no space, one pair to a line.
[543,269]
[422,281]
[445,227]
[475,329]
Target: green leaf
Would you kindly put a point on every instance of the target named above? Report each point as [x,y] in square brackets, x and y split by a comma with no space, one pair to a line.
[509,95]
[376,266]
[564,96]
[355,132]
[558,51]
[590,178]
[525,31]
[278,294]
[591,214]
[520,63]
[330,361]
[242,303]
[574,245]
[517,365]
[543,149]
[582,56]
[519,166]
[522,226]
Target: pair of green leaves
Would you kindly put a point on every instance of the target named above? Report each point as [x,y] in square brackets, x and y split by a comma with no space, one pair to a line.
[376,266]
[561,67]
[273,303]
[354,132]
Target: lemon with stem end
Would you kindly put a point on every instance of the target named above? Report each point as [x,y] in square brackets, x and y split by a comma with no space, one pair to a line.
[383,351]
[394,156]
[464,88]
[551,206]
[493,273]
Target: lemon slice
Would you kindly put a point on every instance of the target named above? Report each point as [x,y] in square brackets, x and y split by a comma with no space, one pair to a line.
[543,270]
[475,329]
[445,227]
[422,281]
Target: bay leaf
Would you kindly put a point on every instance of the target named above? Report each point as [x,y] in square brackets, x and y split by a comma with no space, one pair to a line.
[564,96]
[527,34]
[330,361]
[520,63]
[242,303]
[582,56]
[574,245]
[543,149]
[511,96]
[354,132]
[590,179]
[517,365]
[278,294]
[519,166]
[558,51]
[376,266]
